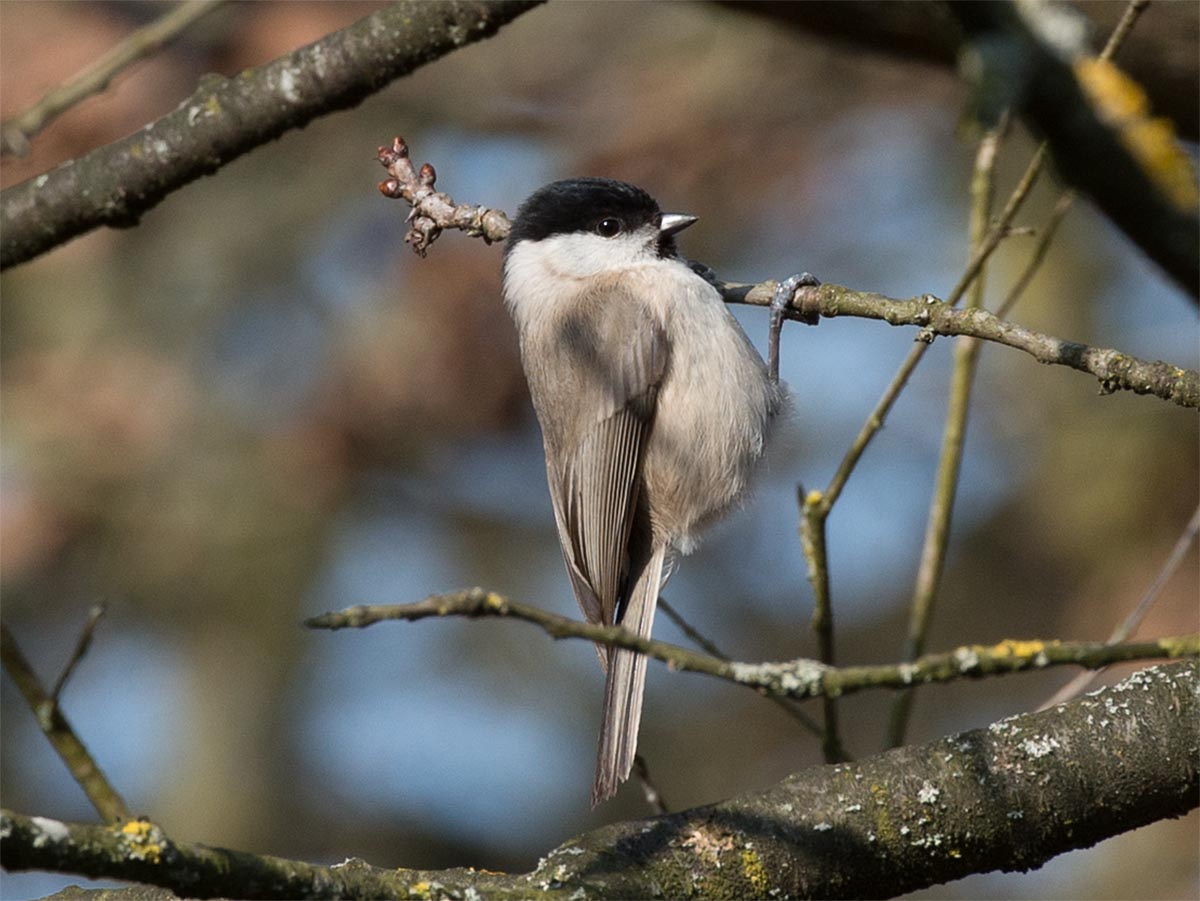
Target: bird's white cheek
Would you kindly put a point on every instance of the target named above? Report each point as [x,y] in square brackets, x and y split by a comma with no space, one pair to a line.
[530,286]
[535,268]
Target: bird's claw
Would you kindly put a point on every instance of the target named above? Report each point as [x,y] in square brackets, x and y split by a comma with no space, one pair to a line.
[781,302]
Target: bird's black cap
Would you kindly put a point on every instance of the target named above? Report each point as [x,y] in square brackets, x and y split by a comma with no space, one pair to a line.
[578,205]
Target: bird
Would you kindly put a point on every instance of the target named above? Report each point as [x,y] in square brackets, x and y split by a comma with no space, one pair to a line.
[654,408]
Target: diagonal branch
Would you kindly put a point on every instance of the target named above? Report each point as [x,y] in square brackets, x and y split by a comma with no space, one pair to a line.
[227,117]
[1129,625]
[799,678]
[792,708]
[84,770]
[16,133]
[1010,796]
[1088,154]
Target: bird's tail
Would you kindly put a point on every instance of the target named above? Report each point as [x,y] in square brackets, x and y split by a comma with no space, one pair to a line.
[624,685]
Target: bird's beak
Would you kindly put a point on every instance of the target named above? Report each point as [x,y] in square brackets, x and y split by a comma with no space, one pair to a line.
[672,223]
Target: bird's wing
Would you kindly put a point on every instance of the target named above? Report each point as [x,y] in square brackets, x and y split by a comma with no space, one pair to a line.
[596,391]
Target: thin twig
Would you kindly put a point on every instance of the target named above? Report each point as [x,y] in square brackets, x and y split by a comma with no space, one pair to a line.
[81,648]
[96,77]
[1067,198]
[819,505]
[49,716]
[699,639]
[649,789]
[787,705]
[816,559]
[941,506]
[986,248]
[879,415]
[933,553]
[1131,622]
[1061,207]
[1090,153]
[799,678]
[1124,26]
[1114,369]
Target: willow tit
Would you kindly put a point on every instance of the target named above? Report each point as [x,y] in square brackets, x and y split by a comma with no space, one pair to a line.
[653,404]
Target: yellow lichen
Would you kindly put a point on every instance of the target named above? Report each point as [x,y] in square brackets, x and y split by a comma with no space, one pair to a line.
[884,827]
[1180,647]
[1123,105]
[1012,648]
[144,840]
[754,871]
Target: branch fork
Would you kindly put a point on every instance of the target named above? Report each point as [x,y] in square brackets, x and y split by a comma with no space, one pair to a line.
[432,210]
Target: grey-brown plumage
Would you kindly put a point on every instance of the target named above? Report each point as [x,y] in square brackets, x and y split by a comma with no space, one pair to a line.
[653,405]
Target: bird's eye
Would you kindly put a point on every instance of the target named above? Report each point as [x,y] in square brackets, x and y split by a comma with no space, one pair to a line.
[609,228]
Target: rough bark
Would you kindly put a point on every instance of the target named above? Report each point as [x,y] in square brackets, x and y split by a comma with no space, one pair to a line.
[1009,796]
[227,117]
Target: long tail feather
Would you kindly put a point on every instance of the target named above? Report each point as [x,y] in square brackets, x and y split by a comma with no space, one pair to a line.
[624,685]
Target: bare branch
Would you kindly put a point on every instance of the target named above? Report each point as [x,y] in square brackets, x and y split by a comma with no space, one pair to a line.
[82,644]
[954,436]
[792,708]
[1134,619]
[227,117]
[20,129]
[816,560]
[799,678]
[1163,56]
[1116,371]
[84,770]
[433,211]
[1088,154]
[1104,764]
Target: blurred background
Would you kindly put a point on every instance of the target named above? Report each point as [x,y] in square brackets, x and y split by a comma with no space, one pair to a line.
[260,405]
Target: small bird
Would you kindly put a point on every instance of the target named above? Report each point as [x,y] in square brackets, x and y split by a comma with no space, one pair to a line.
[654,408]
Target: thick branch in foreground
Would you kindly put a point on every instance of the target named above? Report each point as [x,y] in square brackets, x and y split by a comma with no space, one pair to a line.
[1009,797]
[227,117]
[433,212]
[798,679]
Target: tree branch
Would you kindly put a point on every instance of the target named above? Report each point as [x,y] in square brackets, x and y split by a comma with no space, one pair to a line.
[1129,625]
[1088,154]
[16,133]
[1115,370]
[1010,796]
[954,437]
[433,212]
[84,770]
[790,706]
[1162,56]
[799,678]
[227,117]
